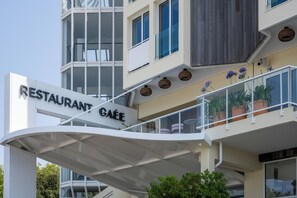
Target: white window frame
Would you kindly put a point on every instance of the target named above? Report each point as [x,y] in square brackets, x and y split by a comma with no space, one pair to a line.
[142,28]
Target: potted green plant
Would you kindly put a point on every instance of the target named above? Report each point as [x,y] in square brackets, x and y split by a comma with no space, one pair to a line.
[238,102]
[262,98]
[217,108]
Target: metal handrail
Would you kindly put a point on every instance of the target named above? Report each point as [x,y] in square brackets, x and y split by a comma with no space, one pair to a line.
[246,80]
[204,101]
[160,117]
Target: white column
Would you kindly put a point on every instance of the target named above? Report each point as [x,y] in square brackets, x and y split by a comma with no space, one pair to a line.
[19,166]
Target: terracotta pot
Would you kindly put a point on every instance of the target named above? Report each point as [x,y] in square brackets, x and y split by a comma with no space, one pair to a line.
[260,104]
[219,116]
[238,111]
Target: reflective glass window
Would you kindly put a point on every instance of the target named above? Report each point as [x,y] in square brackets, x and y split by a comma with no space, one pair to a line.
[66,79]
[79,79]
[106,3]
[79,37]
[92,81]
[174,25]
[280,178]
[65,174]
[66,5]
[66,192]
[67,40]
[136,31]
[93,3]
[164,29]
[79,3]
[118,3]
[106,83]
[118,39]
[146,26]
[77,177]
[106,37]
[93,36]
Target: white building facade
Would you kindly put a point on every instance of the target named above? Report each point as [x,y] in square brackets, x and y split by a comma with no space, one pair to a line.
[188,65]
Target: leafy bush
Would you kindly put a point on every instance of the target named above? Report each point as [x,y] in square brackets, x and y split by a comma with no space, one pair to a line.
[191,185]
[1,181]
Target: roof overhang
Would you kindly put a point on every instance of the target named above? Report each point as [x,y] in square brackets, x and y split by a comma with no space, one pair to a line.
[125,160]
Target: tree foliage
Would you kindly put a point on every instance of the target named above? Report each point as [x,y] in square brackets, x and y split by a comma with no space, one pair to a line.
[191,185]
[1,181]
[47,181]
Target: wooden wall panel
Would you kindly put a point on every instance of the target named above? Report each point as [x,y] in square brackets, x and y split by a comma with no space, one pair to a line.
[223,31]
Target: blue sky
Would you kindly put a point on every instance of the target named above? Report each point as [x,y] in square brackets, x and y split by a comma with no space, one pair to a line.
[30,43]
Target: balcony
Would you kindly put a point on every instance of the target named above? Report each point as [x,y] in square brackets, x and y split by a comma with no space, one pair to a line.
[139,55]
[166,42]
[272,91]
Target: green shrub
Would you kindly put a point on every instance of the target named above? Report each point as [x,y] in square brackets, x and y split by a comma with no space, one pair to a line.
[191,185]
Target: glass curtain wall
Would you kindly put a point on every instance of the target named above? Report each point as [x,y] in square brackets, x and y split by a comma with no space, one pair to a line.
[93,52]
[92,55]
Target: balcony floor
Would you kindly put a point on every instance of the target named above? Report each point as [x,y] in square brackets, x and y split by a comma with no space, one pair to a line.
[269,132]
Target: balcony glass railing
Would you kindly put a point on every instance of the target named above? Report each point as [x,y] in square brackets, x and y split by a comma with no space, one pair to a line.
[184,121]
[268,92]
[166,41]
[273,3]
[272,91]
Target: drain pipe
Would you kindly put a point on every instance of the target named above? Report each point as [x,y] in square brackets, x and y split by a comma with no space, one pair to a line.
[220,155]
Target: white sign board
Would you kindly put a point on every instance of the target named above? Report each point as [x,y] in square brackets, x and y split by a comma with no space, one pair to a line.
[28,97]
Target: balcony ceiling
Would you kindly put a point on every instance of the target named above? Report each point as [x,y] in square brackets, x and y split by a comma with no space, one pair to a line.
[270,132]
[125,160]
[198,75]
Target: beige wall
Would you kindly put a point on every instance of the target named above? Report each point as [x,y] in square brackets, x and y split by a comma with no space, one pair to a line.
[188,94]
[155,66]
[254,184]
[273,16]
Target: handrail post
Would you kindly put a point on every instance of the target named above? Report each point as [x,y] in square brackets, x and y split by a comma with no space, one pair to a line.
[281,92]
[227,108]
[290,100]
[252,101]
[202,113]
[159,119]
[179,123]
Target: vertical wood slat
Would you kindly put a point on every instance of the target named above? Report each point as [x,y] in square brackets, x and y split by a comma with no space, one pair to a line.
[223,31]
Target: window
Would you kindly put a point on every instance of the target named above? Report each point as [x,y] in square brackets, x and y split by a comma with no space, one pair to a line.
[167,38]
[280,178]
[273,3]
[92,81]
[92,37]
[106,83]
[136,28]
[79,79]
[66,79]
[140,29]
[146,26]
[118,37]
[106,37]
[67,40]
[79,38]
[65,174]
